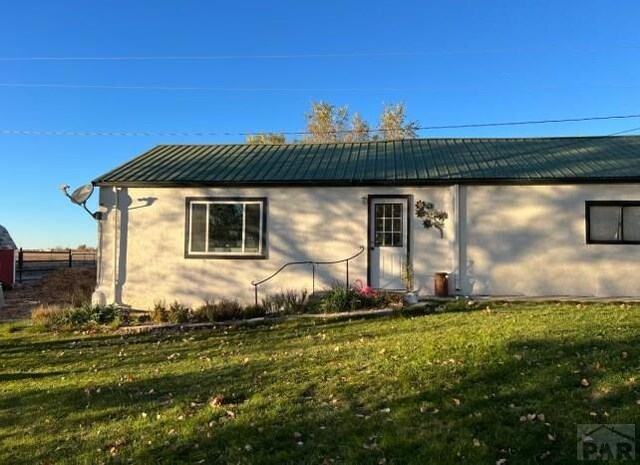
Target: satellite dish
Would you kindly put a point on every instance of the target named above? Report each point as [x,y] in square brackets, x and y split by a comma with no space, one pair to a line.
[80,197]
[82,194]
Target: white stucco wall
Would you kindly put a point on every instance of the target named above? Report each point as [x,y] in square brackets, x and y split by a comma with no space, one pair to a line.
[303,224]
[509,240]
[530,240]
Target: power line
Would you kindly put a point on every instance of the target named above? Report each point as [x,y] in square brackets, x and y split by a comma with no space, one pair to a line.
[283,56]
[219,89]
[215,57]
[626,131]
[270,89]
[24,132]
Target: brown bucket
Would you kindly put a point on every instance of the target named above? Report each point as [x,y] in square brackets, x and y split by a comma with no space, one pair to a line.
[441,284]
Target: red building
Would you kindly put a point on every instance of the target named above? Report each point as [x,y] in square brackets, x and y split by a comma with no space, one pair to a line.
[7,259]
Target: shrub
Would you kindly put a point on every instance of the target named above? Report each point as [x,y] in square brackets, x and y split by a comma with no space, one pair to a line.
[341,299]
[174,313]
[285,302]
[254,311]
[273,303]
[160,313]
[384,299]
[178,313]
[55,317]
[144,318]
[204,312]
[225,309]
[46,316]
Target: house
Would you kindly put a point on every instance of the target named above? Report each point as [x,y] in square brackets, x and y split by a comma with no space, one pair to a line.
[526,217]
[7,259]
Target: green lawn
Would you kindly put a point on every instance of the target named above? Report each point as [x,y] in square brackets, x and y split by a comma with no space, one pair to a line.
[441,388]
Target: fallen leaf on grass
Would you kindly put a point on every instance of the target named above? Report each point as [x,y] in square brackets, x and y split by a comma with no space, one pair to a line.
[545,455]
[217,400]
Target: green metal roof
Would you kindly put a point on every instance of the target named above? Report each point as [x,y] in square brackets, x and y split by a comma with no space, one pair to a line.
[402,162]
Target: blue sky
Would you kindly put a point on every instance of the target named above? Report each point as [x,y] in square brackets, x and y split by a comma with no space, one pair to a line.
[468,61]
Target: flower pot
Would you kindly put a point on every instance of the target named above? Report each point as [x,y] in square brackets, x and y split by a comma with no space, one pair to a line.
[410,298]
[441,284]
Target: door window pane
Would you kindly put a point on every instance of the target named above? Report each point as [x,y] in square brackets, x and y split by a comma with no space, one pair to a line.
[605,223]
[198,227]
[388,225]
[379,211]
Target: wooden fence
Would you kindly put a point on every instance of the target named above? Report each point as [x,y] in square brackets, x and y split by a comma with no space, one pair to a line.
[33,264]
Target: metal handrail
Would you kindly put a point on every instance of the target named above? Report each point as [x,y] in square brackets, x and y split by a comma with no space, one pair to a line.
[313,264]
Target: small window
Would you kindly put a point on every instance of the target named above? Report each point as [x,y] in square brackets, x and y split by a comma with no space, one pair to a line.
[226,228]
[613,222]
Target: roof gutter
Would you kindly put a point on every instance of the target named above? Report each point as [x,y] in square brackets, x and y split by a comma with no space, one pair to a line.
[365,183]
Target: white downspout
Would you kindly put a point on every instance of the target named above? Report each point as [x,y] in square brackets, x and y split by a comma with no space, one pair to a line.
[98,296]
[99,279]
[116,244]
[456,241]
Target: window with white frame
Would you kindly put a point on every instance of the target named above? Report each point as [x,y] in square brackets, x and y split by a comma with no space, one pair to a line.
[225,227]
[613,222]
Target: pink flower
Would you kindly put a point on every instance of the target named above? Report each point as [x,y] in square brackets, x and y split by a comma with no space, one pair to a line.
[364,290]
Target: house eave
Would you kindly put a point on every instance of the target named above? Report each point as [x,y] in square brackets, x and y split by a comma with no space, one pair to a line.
[371,183]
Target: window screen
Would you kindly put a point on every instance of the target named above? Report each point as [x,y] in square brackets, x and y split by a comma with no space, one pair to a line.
[225,227]
[612,222]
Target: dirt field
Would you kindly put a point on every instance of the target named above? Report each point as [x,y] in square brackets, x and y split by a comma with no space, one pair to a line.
[36,264]
[70,286]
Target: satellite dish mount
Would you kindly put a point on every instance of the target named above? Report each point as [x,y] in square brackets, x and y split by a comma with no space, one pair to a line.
[80,197]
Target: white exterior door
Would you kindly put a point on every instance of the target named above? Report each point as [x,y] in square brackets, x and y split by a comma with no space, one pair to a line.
[388,242]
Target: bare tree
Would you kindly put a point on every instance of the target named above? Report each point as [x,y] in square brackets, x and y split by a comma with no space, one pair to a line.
[393,124]
[266,138]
